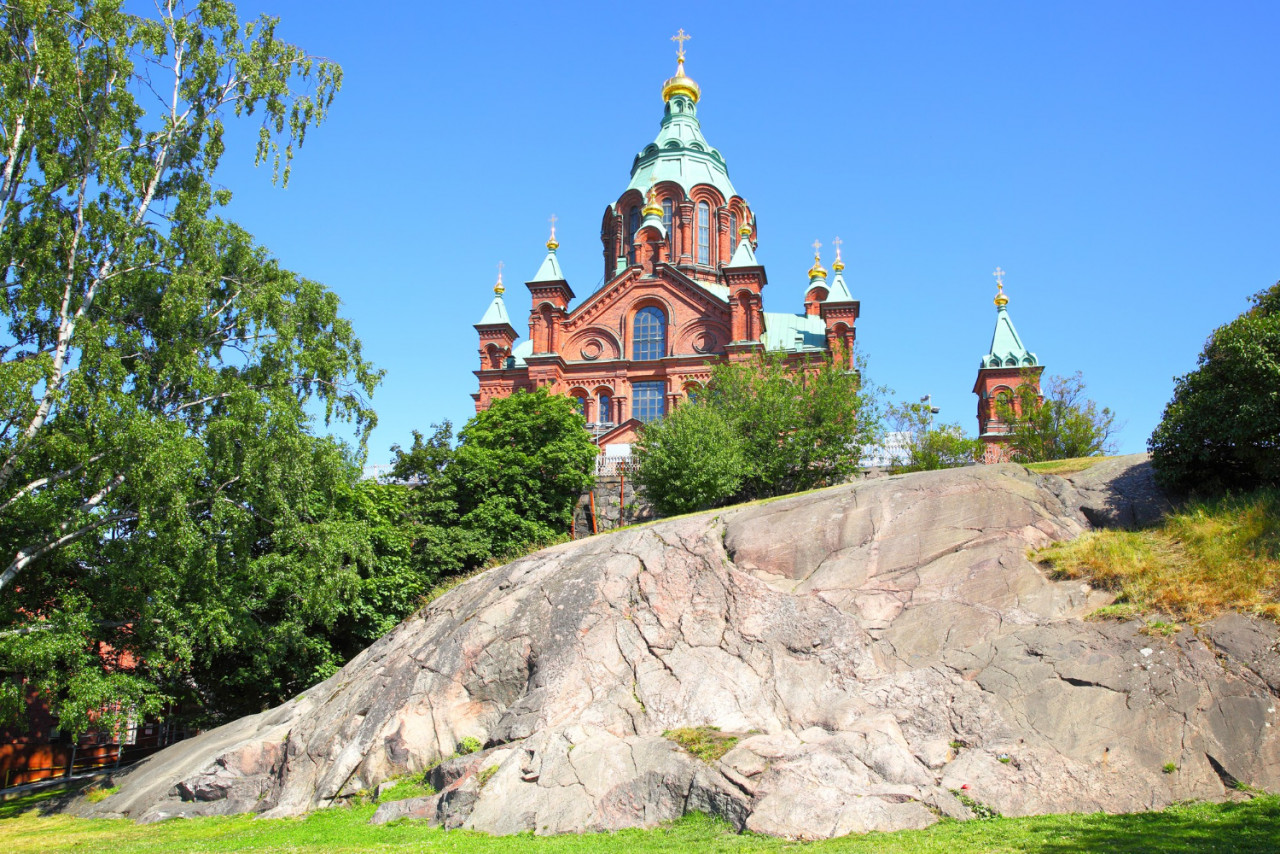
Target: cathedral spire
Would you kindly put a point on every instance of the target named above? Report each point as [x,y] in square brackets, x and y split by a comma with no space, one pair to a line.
[1007,348]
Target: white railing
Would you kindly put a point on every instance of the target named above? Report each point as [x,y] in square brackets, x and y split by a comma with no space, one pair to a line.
[615,466]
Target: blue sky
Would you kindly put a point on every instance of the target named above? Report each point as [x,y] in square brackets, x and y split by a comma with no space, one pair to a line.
[1121,161]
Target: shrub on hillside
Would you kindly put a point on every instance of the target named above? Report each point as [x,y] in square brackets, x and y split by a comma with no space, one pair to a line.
[782,427]
[1221,431]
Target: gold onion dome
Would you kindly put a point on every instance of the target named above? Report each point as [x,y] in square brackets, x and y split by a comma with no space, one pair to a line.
[681,84]
[652,207]
[838,265]
[817,271]
[744,230]
[498,288]
[1001,300]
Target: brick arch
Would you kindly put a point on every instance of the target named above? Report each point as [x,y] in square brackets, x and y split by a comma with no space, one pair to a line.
[610,348]
[687,339]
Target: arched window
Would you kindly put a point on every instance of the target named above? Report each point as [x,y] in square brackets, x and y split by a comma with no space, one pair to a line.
[666,221]
[633,225]
[704,233]
[650,335]
[581,403]
[606,409]
[733,233]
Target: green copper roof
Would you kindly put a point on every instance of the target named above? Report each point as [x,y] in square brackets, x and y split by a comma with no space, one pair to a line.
[793,332]
[744,255]
[497,314]
[681,154]
[838,291]
[550,270]
[1007,350]
[518,352]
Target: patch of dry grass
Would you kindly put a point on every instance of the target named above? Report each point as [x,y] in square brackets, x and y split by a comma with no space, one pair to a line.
[1071,466]
[1210,557]
[707,743]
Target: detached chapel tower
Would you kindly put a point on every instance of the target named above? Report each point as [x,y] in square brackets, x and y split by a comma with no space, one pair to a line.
[682,289]
[1002,374]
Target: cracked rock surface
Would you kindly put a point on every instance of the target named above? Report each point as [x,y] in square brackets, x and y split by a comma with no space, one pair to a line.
[876,648]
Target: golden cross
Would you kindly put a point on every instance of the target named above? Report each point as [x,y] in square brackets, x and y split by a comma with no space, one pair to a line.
[553,226]
[680,38]
[816,247]
[999,274]
[837,243]
[499,272]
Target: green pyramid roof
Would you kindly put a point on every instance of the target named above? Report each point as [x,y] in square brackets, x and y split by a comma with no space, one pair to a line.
[496,315]
[1007,349]
[838,291]
[744,255]
[681,154]
[550,270]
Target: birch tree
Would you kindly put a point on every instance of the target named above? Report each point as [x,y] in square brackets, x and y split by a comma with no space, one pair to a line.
[157,366]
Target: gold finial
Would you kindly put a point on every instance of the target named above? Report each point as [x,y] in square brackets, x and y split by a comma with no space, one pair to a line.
[498,288]
[1001,300]
[680,84]
[652,207]
[744,230]
[817,271]
[552,244]
[838,265]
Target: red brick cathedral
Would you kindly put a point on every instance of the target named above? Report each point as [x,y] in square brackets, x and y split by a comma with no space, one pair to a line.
[682,289]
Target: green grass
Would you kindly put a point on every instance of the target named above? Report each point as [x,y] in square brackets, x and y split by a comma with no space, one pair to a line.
[705,742]
[1248,827]
[406,787]
[1070,466]
[1208,557]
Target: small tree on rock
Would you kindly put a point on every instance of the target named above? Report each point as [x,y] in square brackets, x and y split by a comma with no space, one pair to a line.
[691,460]
[1059,425]
[931,446]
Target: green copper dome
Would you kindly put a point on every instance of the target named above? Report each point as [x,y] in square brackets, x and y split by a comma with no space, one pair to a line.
[681,154]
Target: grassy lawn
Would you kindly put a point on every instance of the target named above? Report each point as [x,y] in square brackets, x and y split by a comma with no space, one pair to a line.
[1208,557]
[1249,827]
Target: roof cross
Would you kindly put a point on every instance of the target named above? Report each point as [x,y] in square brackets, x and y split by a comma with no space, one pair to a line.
[837,243]
[817,246]
[498,288]
[553,226]
[680,38]
[999,274]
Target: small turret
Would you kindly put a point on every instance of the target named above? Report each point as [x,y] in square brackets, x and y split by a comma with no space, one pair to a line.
[1009,371]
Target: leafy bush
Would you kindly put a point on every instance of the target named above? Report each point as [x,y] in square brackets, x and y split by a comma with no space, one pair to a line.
[931,446]
[691,460]
[1221,430]
[773,426]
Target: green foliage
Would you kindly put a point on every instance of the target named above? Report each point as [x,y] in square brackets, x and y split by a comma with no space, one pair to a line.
[1221,430]
[470,744]
[772,427]
[690,460]
[1061,425]
[931,446]
[511,483]
[413,786]
[162,498]
[802,426]
[519,469]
